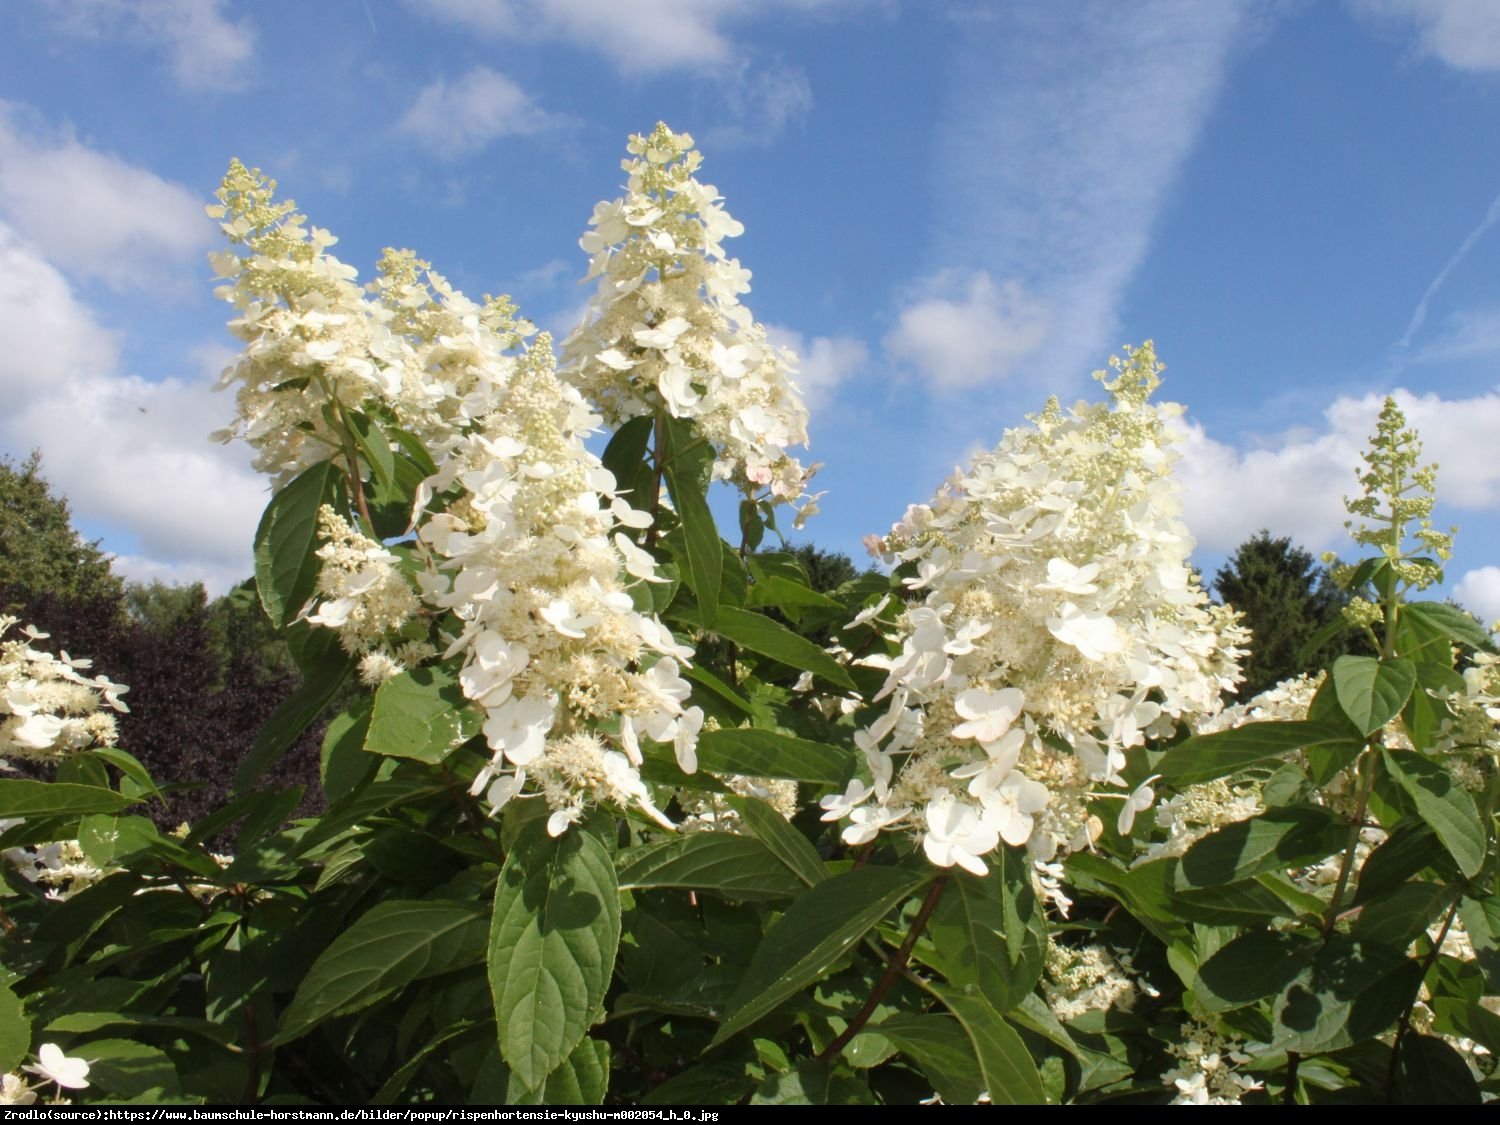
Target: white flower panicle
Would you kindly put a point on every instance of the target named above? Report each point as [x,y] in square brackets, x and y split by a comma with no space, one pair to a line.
[48,707]
[1058,626]
[1207,1072]
[317,346]
[536,561]
[666,329]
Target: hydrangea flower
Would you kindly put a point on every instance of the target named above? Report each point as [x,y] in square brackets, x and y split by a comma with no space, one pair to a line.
[1055,625]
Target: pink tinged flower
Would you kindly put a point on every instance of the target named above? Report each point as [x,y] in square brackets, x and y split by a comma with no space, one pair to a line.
[957,833]
[989,713]
[1140,799]
[519,728]
[1095,635]
[54,1066]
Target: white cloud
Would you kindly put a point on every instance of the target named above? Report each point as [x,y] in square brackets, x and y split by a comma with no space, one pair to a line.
[49,336]
[128,453]
[205,49]
[473,110]
[1295,486]
[1478,591]
[1419,314]
[967,329]
[824,363]
[95,214]
[1465,34]
[1064,129]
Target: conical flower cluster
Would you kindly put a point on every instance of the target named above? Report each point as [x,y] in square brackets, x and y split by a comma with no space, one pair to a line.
[1057,624]
[666,329]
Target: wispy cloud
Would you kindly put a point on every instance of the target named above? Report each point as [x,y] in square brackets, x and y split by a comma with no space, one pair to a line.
[761,102]
[95,214]
[1465,34]
[206,50]
[1466,334]
[824,363]
[464,115]
[1419,314]
[1065,129]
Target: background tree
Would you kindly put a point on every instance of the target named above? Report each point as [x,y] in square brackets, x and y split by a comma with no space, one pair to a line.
[40,551]
[1286,597]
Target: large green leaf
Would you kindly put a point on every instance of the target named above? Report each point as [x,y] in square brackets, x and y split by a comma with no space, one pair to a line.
[705,557]
[782,838]
[1372,692]
[130,1070]
[582,1079]
[1005,1066]
[552,947]
[759,634]
[1350,992]
[787,593]
[625,458]
[421,714]
[990,933]
[1398,918]
[1444,804]
[737,866]
[391,945]
[286,567]
[765,753]
[1411,848]
[1252,967]
[113,841]
[296,713]
[817,930]
[1431,1072]
[20,796]
[1438,621]
[813,1082]
[15,1031]
[1246,903]
[938,1045]
[343,764]
[1275,840]
[1207,757]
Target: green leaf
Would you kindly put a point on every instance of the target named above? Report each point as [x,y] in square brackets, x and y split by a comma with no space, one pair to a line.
[1252,967]
[1372,692]
[15,1031]
[990,933]
[938,1045]
[552,946]
[129,1070]
[131,767]
[343,765]
[709,1083]
[582,1079]
[391,502]
[625,458]
[391,945]
[1005,1066]
[296,713]
[1399,917]
[1246,903]
[1350,992]
[393,1086]
[286,567]
[764,753]
[373,443]
[782,593]
[759,634]
[1275,840]
[813,1082]
[1444,804]
[1410,849]
[114,841]
[1448,622]
[782,838]
[23,797]
[1431,1072]
[1207,757]
[736,866]
[705,557]
[421,714]
[817,930]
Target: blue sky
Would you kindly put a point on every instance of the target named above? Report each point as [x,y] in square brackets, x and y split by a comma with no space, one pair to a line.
[953,210]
